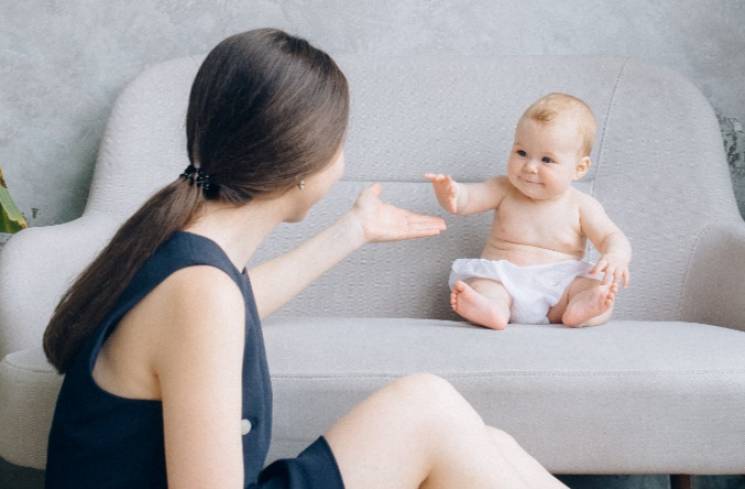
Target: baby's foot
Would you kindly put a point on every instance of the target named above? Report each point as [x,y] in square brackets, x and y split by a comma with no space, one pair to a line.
[589,303]
[477,308]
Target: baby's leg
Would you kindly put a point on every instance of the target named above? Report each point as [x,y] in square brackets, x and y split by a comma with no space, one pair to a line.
[586,302]
[482,301]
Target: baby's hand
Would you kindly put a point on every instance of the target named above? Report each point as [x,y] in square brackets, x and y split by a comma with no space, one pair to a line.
[615,267]
[446,190]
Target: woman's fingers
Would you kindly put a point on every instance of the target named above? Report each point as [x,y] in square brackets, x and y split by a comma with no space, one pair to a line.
[415,225]
[422,230]
[413,218]
[368,195]
[422,221]
[427,226]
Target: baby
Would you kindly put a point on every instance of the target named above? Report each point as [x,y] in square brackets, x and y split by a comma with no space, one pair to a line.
[531,269]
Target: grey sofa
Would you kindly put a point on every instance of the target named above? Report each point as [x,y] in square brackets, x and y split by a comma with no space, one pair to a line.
[659,389]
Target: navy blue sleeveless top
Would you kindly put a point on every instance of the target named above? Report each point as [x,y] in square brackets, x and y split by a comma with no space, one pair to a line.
[101,440]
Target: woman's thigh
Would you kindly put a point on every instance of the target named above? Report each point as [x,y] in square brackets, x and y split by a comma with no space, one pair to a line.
[389,439]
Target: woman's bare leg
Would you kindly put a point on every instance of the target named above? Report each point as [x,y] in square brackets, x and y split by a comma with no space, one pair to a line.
[419,432]
[535,474]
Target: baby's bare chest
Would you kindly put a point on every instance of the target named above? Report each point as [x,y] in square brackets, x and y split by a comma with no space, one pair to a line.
[551,224]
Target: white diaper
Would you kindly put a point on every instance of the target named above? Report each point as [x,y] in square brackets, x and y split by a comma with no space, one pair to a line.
[533,288]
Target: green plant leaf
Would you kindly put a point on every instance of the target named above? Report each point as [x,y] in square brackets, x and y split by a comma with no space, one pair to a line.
[11,219]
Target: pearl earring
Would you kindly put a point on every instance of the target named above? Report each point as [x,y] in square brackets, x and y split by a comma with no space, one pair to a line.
[301,185]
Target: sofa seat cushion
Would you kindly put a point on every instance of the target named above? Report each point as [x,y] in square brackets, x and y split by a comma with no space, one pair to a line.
[624,397]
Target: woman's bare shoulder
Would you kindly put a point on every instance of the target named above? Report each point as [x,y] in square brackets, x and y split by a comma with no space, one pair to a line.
[197,304]
[200,280]
[189,303]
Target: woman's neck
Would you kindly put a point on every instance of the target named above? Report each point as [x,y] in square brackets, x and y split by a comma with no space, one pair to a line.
[238,231]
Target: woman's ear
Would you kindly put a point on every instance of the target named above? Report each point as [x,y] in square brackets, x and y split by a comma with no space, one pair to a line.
[582,167]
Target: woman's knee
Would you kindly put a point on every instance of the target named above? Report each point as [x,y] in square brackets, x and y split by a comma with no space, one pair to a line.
[424,387]
[435,399]
[500,437]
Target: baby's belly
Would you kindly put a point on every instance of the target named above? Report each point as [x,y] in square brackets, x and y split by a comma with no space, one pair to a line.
[523,254]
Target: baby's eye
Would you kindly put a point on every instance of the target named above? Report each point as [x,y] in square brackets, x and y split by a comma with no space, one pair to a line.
[546,159]
[521,152]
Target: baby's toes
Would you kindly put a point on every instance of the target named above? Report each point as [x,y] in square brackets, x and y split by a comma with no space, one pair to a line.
[611,290]
[610,298]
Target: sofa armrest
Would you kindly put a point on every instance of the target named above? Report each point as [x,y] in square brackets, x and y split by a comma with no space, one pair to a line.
[714,287]
[37,265]
[29,386]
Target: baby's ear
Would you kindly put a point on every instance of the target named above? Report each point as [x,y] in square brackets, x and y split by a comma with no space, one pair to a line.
[582,167]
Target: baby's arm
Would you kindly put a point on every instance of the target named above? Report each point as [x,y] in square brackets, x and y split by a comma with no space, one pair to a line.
[607,238]
[467,198]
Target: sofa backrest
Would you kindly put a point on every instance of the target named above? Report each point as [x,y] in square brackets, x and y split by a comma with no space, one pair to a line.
[658,168]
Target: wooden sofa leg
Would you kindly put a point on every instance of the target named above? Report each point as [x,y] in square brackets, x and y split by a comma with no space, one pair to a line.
[681,481]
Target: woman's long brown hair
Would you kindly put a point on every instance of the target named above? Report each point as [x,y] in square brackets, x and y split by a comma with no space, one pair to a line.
[266,109]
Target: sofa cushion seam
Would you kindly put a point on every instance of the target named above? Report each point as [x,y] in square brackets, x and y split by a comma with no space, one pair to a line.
[611,103]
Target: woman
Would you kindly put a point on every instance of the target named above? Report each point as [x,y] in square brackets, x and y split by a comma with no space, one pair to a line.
[160,338]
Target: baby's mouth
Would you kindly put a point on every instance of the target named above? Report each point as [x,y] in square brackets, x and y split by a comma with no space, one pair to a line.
[530,181]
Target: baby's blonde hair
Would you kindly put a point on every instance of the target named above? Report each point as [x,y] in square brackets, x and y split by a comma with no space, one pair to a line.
[550,106]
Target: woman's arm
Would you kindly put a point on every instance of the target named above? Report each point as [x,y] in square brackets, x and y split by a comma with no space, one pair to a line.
[277,281]
[198,365]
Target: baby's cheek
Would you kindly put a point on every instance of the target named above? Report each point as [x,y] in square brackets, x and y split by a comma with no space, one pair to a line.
[556,185]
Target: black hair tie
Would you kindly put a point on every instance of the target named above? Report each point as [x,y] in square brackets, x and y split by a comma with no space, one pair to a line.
[188,174]
[203,180]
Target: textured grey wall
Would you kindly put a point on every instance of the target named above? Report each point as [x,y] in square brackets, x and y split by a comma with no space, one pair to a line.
[62,63]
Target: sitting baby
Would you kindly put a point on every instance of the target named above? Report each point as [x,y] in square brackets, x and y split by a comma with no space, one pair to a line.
[531,269]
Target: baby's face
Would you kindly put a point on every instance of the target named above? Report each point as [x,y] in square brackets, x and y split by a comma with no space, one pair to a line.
[545,158]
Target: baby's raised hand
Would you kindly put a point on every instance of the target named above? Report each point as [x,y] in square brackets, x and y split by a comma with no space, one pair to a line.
[446,190]
[616,269]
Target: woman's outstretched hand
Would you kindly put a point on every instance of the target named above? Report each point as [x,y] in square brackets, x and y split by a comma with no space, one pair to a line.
[379,221]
